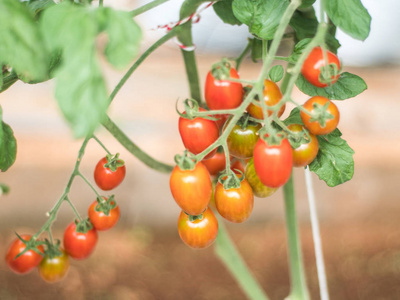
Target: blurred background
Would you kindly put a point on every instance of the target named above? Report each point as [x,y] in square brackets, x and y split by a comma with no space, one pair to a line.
[143,256]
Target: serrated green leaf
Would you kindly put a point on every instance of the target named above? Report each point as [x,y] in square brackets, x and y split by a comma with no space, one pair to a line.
[8,145]
[306,3]
[276,73]
[298,50]
[350,16]
[334,163]
[347,86]
[8,81]
[223,9]
[21,44]
[294,117]
[262,17]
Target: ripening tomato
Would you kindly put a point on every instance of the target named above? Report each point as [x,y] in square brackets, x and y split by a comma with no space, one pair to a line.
[259,189]
[191,189]
[198,233]
[315,127]
[79,245]
[273,163]
[27,261]
[100,220]
[311,69]
[223,94]
[107,179]
[236,166]
[198,134]
[221,119]
[234,204]
[242,140]
[54,269]
[272,96]
[305,153]
[215,164]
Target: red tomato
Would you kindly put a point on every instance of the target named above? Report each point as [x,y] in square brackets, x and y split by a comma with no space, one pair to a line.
[54,269]
[259,189]
[198,233]
[305,153]
[235,204]
[314,126]
[107,179]
[100,220]
[273,163]
[198,134]
[191,189]
[79,245]
[315,60]
[236,165]
[216,163]
[272,96]
[221,119]
[27,261]
[222,94]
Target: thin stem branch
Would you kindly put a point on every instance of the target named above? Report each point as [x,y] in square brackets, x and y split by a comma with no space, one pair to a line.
[242,55]
[89,184]
[146,7]
[101,144]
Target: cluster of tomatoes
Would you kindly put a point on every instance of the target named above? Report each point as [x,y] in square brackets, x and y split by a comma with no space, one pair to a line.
[80,237]
[268,151]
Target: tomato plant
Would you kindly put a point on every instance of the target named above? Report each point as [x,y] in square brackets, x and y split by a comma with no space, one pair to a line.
[327,119]
[54,269]
[27,261]
[106,178]
[305,153]
[104,214]
[200,232]
[311,69]
[79,245]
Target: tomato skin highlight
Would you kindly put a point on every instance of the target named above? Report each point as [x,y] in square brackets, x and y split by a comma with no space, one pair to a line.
[273,163]
[79,245]
[235,204]
[199,233]
[27,261]
[107,179]
[315,60]
[313,126]
[259,189]
[191,189]
[305,153]
[241,141]
[198,134]
[272,96]
[100,220]
[222,94]
[54,269]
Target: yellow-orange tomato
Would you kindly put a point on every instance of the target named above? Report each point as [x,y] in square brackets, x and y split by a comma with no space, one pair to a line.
[272,96]
[305,153]
[54,269]
[199,233]
[259,189]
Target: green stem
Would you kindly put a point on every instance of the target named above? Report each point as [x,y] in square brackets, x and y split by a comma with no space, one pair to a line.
[101,144]
[243,55]
[89,184]
[146,7]
[229,255]
[124,140]
[299,289]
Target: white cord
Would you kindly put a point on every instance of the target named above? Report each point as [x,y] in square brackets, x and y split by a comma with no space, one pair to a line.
[323,286]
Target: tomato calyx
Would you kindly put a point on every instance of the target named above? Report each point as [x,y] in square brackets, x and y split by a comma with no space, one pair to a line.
[329,74]
[231,180]
[192,109]
[113,162]
[105,205]
[52,250]
[298,138]
[31,244]
[83,226]
[187,161]
[221,70]
[193,218]
[272,136]
[321,114]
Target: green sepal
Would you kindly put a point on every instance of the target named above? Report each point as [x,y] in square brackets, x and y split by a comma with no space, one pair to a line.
[105,205]
[221,70]
[187,161]
[194,218]
[83,226]
[113,162]
[52,249]
[321,114]
[232,181]
[32,244]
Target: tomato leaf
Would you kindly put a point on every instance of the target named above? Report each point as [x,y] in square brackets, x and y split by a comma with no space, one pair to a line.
[4,189]
[21,44]
[347,86]
[276,73]
[350,16]
[334,163]
[294,117]
[262,17]
[8,145]
[306,3]
[37,6]
[224,11]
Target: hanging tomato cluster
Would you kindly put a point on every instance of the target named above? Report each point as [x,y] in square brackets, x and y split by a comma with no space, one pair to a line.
[267,146]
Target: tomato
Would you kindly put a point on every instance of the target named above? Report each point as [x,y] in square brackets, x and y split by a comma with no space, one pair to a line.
[314,126]
[242,139]
[191,189]
[272,96]
[216,163]
[198,134]
[107,179]
[259,189]
[234,204]
[223,94]
[273,163]
[79,245]
[305,153]
[27,261]
[100,220]
[311,68]
[236,165]
[221,119]
[198,233]
[54,269]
